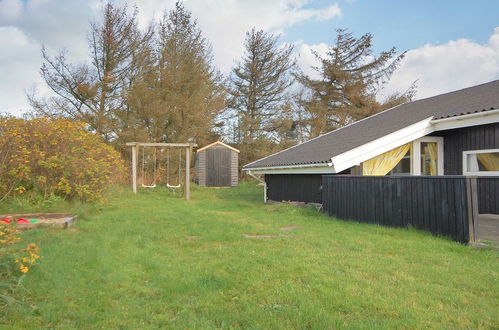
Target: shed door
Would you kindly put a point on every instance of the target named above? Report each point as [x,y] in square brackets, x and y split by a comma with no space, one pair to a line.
[218,167]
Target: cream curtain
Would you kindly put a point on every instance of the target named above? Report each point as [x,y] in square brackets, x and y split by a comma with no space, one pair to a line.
[490,161]
[384,163]
[433,152]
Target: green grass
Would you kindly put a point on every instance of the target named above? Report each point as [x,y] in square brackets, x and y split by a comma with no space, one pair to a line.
[153,260]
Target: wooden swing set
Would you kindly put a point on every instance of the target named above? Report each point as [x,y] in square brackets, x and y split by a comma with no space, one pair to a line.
[135,160]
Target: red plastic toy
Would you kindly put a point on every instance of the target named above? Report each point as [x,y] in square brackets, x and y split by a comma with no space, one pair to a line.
[22,221]
[6,219]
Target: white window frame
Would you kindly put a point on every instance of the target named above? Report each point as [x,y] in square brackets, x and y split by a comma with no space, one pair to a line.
[467,171]
[416,154]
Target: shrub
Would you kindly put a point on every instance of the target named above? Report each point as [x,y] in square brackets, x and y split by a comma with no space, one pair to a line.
[15,262]
[54,157]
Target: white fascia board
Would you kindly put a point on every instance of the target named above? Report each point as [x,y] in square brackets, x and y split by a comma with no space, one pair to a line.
[293,170]
[474,119]
[376,147]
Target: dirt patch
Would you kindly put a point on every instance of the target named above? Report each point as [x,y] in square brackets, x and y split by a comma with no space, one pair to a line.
[260,236]
[289,228]
[193,237]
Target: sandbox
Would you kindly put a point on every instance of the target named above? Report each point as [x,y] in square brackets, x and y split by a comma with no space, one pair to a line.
[61,220]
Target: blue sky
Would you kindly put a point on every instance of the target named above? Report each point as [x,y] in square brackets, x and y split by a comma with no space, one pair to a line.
[450,44]
[404,24]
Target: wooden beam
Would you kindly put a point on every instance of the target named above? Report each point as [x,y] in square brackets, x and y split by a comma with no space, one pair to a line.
[169,145]
[187,183]
[134,168]
[472,194]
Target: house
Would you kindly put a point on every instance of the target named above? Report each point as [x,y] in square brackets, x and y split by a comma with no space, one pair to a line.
[455,133]
[217,165]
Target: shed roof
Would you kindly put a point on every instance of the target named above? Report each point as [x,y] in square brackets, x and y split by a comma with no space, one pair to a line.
[321,149]
[217,143]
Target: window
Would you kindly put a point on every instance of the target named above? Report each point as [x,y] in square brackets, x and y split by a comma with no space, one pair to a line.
[424,156]
[403,167]
[427,156]
[481,162]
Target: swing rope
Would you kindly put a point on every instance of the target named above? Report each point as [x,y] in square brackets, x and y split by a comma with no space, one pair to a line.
[168,169]
[143,169]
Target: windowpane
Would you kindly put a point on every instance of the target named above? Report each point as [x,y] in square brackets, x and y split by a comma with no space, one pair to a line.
[429,158]
[488,161]
[403,167]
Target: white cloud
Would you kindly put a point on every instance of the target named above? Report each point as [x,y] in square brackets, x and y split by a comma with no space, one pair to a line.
[442,68]
[10,11]
[307,59]
[19,64]
[26,25]
[224,23]
[437,68]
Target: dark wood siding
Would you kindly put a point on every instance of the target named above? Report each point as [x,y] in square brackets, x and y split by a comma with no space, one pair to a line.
[436,204]
[472,138]
[201,168]
[234,168]
[463,139]
[294,187]
[218,166]
[488,194]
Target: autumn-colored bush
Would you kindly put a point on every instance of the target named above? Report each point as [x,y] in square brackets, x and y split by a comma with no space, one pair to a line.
[54,157]
[15,261]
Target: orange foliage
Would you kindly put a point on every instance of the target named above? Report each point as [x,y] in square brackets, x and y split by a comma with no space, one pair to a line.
[54,157]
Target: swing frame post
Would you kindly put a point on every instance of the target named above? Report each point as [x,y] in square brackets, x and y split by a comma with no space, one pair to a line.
[134,168]
[188,149]
[187,183]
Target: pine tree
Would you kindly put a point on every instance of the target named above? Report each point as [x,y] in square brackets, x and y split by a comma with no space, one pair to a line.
[350,78]
[259,92]
[181,95]
[95,92]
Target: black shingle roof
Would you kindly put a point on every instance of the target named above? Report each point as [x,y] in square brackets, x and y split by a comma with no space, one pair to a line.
[321,149]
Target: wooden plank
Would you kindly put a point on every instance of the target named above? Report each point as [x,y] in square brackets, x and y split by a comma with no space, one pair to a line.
[438,205]
[134,168]
[187,183]
[397,202]
[473,228]
[461,210]
[445,207]
[154,144]
[432,204]
[420,209]
[452,207]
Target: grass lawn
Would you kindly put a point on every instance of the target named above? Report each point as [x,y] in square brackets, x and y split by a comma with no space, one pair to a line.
[153,260]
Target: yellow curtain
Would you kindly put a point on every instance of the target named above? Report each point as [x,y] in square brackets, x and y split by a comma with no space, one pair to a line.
[432,151]
[384,163]
[489,161]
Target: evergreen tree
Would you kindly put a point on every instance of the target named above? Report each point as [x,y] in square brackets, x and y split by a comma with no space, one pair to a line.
[259,93]
[182,93]
[95,92]
[350,78]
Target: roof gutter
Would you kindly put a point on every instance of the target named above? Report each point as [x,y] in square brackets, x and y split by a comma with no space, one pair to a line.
[472,119]
[468,116]
[328,164]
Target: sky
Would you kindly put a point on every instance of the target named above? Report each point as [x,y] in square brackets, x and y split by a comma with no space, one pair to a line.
[449,44]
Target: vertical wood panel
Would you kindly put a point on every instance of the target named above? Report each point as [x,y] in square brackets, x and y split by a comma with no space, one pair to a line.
[436,204]
[472,138]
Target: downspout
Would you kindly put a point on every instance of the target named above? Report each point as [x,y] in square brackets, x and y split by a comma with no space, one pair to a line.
[264,185]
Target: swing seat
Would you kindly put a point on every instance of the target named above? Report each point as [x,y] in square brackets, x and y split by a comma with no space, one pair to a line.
[172,186]
[145,186]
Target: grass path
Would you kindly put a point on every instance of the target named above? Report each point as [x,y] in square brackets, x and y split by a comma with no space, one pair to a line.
[150,261]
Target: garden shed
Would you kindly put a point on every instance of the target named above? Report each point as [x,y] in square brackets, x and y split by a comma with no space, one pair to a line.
[217,165]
